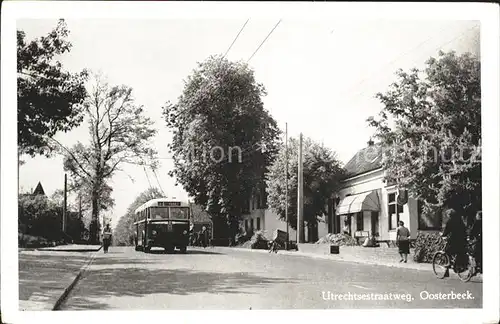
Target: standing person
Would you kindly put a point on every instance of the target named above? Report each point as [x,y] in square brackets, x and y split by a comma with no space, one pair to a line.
[403,241]
[204,236]
[106,238]
[457,233]
[347,227]
[477,235]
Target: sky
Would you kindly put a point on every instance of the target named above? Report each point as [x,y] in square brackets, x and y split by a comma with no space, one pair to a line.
[321,76]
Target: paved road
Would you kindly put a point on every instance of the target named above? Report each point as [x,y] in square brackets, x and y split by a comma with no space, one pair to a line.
[220,279]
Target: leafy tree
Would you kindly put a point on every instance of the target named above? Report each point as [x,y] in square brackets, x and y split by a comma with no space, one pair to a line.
[322,174]
[41,216]
[124,230]
[430,127]
[221,112]
[49,98]
[77,191]
[120,133]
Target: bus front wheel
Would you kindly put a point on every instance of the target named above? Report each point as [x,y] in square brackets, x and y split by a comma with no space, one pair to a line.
[183,249]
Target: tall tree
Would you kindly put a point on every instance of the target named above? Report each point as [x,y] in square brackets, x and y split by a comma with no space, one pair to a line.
[119,132]
[124,230]
[430,127]
[49,98]
[322,174]
[223,139]
[77,191]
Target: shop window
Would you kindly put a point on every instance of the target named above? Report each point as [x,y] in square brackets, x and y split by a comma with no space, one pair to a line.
[394,211]
[359,221]
[258,223]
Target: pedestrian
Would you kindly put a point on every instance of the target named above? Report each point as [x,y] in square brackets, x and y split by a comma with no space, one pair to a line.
[204,236]
[106,238]
[347,226]
[403,241]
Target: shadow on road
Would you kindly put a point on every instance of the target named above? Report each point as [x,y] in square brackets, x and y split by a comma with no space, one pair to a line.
[101,284]
[197,252]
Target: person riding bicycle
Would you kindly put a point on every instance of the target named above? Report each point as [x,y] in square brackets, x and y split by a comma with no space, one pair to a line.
[477,235]
[457,237]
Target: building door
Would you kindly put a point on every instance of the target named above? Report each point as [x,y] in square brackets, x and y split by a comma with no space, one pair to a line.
[374,223]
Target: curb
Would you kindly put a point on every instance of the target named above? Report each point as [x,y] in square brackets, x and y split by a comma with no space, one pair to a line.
[68,289]
[70,250]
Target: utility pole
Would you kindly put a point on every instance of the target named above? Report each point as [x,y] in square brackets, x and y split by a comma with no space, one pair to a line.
[300,197]
[65,204]
[286,186]
[80,205]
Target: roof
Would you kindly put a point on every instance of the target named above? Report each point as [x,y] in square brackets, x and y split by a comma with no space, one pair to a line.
[365,160]
[154,202]
[39,190]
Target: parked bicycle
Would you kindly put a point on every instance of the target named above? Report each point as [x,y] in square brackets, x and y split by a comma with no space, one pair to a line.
[463,265]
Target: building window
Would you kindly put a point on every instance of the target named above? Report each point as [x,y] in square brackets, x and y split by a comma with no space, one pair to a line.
[246,207]
[258,223]
[359,221]
[251,224]
[253,203]
[395,211]
[258,202]
[246,225]
[263,197]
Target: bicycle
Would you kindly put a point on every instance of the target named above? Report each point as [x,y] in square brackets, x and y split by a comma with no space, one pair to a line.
[465,268]
[274,247]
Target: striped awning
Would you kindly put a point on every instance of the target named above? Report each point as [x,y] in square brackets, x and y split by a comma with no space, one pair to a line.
[367,201]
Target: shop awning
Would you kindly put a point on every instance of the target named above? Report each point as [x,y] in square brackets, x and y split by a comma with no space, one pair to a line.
[367,201]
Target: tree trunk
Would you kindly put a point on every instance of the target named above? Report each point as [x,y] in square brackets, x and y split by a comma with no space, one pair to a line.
[94,225]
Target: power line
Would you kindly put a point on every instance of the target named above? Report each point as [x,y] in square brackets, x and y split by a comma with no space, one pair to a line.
[406,53]
[158,181]
[272,30]
[147,176]
[397,58]
[236,38]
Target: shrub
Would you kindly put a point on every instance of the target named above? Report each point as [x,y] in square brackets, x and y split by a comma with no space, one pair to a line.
[426,245]
[258,241]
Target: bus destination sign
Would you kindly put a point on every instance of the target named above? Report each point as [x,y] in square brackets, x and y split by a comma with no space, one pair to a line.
[169,203]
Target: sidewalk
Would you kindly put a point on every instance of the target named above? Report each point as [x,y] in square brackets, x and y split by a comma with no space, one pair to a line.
[46,275]
[383,256]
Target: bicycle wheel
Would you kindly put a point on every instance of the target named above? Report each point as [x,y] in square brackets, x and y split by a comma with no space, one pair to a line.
[440,263]
[464,269]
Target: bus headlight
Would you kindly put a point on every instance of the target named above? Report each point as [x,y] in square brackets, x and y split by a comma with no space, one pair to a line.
[153,232]
[185,232]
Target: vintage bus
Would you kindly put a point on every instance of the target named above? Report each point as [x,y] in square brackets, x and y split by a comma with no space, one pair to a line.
[163,223]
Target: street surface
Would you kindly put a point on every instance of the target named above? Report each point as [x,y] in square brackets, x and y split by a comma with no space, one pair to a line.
[215,278]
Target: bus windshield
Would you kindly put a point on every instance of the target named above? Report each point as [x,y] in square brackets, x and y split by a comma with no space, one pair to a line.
[179,212]
[158,212]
